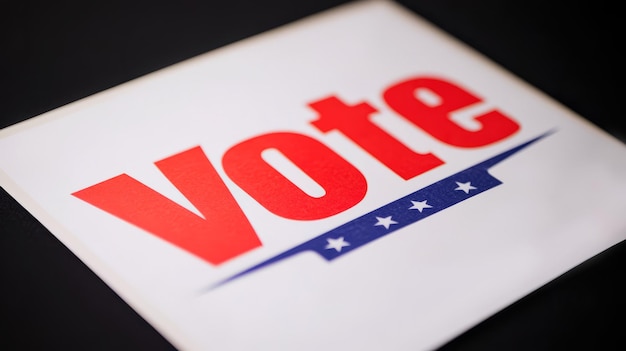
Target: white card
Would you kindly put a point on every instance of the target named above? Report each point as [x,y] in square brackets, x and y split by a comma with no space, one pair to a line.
[357,180]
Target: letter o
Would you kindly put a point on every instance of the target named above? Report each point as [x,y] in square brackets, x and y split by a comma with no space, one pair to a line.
[344,185]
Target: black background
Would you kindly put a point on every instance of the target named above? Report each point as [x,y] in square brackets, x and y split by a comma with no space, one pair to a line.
[53,53]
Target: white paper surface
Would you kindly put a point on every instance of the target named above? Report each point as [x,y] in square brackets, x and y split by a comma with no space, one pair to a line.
[560,201]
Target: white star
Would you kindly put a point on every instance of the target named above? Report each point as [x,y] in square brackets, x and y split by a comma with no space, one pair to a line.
[466,187]
[336,244]
[419,205]
[385,222]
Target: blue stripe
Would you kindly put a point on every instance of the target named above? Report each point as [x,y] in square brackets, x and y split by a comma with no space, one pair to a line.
[363,230]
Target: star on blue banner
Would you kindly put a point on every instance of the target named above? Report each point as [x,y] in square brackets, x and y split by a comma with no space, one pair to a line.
[397,214]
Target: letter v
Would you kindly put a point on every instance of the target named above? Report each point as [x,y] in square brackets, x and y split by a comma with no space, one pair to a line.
[221,235]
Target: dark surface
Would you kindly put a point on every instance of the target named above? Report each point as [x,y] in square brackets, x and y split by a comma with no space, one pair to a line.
[53,53]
